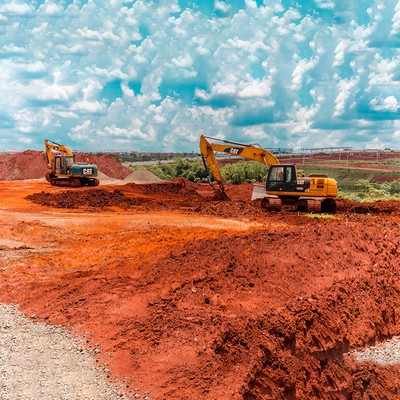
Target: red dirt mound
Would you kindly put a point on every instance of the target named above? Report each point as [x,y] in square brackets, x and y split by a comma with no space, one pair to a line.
[90,199]
[186,196]
[376,207]
[26,165]
[176,195]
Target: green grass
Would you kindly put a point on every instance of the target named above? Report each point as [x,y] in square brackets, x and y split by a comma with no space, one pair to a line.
[320,215]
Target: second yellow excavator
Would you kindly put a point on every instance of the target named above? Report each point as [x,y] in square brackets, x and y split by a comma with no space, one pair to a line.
[315,193]
[64,171]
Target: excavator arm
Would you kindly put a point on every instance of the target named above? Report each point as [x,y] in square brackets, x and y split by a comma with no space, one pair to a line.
[248,151]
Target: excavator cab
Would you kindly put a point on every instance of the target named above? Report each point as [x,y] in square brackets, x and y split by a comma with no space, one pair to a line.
[281,178]
[63,164]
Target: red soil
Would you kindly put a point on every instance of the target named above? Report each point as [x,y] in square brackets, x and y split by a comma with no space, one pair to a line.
[190,298]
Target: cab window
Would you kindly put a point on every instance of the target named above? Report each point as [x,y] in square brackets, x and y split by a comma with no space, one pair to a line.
[277,174]
[288,177]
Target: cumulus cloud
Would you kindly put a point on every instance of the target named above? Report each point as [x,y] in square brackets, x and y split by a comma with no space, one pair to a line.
[50,9]
[345,91]
[135,75]
[17,9]
[389,103]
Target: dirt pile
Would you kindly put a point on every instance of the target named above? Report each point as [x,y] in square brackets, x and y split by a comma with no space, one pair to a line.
[179,195]
[142,175]
[91,199]
[163,195]
[378,207]
[190,197]
[26,165]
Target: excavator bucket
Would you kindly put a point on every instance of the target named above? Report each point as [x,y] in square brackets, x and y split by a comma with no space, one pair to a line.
[220,195]
[258,191]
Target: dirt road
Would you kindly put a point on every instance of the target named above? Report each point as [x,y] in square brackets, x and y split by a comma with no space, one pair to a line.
[189,298]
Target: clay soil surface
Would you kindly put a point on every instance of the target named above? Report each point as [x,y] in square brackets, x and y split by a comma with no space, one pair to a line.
[187,297]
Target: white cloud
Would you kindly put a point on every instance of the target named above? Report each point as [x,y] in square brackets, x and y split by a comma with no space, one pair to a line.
[340,52]
[125,133]
[87,107]
[185,61]
[12,50]
[251,4]
[389,103]
[254,88]
[256,133]
[77,49]
[302,67]
[396,20]
[25,140]
[221,6]
[324,4]
[89,34]
[383,70]
[36,67]
[302,118]
[345,89]
[81,133]
[51,9]
[396,135]
[17,9]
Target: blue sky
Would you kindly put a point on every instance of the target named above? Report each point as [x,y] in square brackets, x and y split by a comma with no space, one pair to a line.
[154,75]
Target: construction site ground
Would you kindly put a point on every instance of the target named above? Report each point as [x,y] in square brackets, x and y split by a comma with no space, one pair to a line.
[187,297]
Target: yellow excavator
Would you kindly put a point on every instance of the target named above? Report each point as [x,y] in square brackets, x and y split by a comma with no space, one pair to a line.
[315,193]
[64,171]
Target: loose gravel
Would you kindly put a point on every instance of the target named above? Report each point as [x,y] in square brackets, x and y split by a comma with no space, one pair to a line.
[386,353]
[43,362]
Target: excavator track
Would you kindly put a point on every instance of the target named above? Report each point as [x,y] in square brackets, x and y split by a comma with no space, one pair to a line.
[66,182]
[314,206]
[74,182]
[271,204]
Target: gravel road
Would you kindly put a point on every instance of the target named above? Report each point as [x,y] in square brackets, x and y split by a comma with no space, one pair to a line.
[43,362]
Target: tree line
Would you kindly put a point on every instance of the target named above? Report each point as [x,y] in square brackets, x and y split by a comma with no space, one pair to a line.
[194,171]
